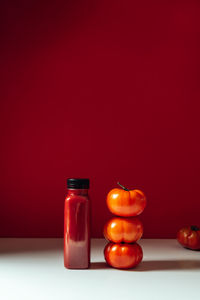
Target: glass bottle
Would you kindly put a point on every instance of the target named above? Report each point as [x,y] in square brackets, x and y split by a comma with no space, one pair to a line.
[77,224]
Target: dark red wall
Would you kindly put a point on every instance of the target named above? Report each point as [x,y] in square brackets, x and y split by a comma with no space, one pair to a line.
[104,89]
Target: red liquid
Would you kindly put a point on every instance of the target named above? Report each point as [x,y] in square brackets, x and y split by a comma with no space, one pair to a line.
[77,230]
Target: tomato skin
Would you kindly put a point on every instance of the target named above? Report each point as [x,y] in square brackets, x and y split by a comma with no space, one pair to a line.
[123,256]
[189,237]
[127,230]
[126,203]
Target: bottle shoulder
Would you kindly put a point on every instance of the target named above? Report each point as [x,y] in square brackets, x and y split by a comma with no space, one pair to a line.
[76,198]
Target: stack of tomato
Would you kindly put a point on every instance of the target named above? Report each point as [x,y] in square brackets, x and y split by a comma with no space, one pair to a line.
[124,230]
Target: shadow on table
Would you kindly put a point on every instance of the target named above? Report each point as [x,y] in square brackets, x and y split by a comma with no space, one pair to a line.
[98,265]
[24,245]
[164,265]
[155,265]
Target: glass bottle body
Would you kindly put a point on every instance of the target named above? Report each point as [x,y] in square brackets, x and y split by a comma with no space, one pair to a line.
[77,229]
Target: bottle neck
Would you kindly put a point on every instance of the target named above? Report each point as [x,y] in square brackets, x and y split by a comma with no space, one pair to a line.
[77,192]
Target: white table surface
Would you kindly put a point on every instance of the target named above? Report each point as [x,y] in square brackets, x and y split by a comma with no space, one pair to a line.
[33,269]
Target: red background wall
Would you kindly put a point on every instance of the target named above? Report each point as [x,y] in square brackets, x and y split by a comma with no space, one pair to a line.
[102,89]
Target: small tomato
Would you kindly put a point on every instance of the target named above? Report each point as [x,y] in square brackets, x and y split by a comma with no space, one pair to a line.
[189,237]
[126,203]
[127,230]
[123,256]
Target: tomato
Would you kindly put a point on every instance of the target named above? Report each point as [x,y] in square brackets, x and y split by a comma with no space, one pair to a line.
[127,230]
[123,256]
[126,203]
[189,237]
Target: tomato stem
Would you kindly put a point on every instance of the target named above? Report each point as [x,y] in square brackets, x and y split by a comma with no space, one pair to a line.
[195,228]
[122,186]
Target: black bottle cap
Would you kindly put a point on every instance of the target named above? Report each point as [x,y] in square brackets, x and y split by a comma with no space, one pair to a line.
[78,183]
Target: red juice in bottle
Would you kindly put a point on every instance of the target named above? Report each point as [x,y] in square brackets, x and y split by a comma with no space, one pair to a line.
[77,225]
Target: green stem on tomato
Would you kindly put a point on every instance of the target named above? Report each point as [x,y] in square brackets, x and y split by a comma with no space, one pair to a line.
[122,187]
[195,228]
